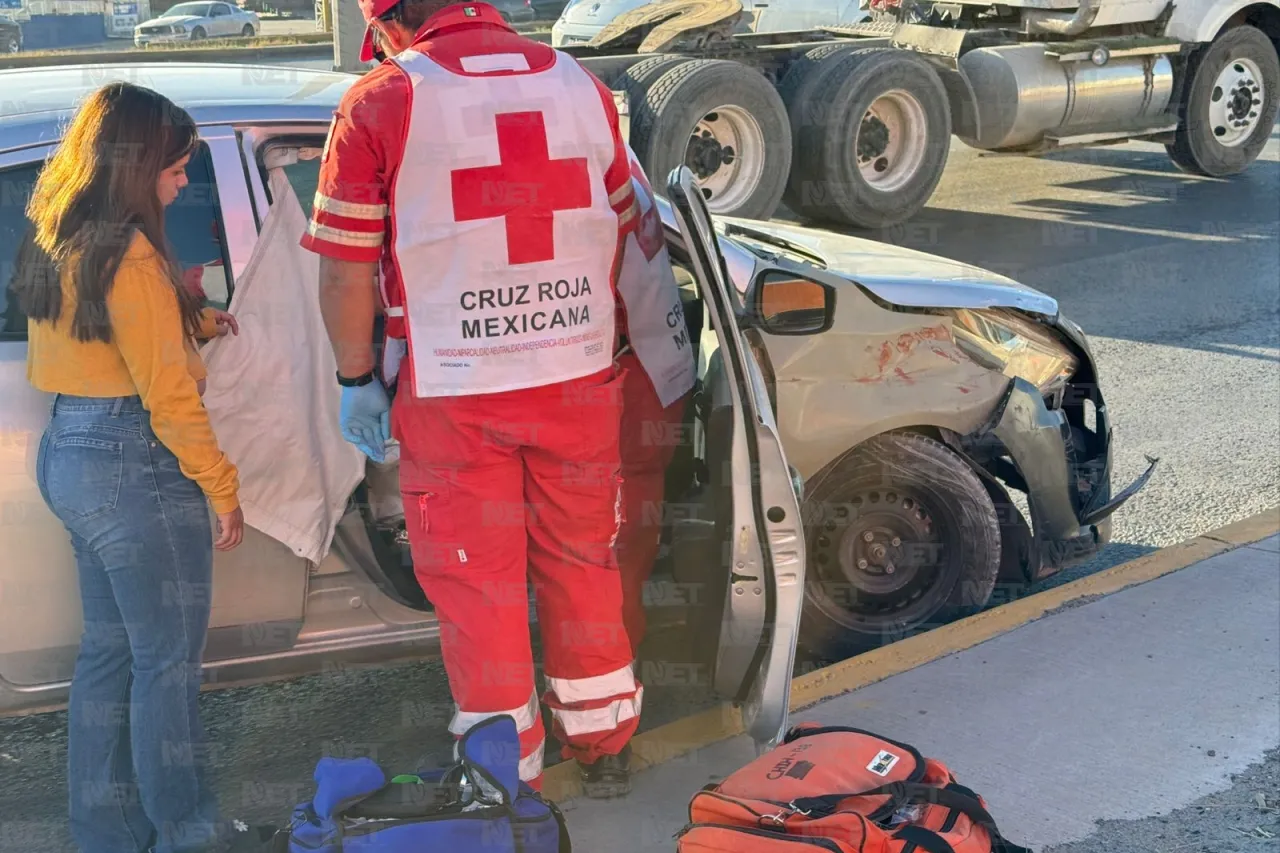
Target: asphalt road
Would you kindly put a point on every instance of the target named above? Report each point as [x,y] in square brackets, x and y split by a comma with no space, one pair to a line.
[1244,818]
[1176,279]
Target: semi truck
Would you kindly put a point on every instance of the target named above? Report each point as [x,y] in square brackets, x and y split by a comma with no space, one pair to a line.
[852,125]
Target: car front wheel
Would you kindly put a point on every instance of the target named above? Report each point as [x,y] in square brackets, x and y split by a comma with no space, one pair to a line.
[10,44]
[902,536]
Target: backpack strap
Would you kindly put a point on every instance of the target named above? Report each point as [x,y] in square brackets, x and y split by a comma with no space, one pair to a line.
[901,793]
[565,845]
[924,839]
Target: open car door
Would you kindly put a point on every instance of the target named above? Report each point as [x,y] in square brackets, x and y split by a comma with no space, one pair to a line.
[760,614]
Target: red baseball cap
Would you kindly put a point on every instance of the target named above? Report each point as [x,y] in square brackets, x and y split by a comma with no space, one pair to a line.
[372,9]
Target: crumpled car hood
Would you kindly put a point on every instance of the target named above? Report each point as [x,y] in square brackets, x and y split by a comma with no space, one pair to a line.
[907,277]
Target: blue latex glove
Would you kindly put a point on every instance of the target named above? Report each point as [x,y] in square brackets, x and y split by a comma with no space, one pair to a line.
[365,418]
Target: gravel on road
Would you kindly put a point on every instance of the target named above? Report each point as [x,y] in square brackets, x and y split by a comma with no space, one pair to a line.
[1245,818]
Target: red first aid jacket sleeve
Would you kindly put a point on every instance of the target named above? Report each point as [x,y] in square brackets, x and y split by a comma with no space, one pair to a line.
[617,180]
[350,219]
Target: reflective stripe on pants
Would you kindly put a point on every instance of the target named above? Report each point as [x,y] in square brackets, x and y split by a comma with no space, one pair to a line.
[505,488]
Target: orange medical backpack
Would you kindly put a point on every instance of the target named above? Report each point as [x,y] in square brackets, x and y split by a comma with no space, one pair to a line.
[842,790]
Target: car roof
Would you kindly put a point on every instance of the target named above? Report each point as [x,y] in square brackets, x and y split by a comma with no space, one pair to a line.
[38,102]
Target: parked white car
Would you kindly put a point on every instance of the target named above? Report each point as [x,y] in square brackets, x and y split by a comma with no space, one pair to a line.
[197,21]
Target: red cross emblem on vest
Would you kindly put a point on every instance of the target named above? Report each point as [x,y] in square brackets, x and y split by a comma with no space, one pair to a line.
[526,188]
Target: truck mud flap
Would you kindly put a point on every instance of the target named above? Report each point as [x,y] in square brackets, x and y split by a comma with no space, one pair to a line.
[965,120]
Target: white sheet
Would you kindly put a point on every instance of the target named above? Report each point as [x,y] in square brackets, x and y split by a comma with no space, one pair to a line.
[271,394]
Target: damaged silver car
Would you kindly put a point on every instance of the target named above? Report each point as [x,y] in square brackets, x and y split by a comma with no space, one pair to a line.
[949,426]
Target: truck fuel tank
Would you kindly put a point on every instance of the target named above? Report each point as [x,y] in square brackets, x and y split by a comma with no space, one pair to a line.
[1022,93]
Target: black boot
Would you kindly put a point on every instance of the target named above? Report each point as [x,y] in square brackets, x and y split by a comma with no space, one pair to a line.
[608,776]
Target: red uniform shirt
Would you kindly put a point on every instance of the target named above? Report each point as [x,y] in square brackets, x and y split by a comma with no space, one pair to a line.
[365,147]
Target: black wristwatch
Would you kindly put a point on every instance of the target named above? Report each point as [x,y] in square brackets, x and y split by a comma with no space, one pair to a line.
[357,381]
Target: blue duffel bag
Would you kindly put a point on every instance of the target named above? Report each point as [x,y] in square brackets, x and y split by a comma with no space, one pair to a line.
[477,804]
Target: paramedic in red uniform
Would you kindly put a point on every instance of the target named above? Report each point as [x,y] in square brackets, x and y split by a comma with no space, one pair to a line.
[659,370]
[487,173]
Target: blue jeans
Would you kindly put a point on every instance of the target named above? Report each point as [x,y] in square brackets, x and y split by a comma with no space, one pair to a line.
[144,550]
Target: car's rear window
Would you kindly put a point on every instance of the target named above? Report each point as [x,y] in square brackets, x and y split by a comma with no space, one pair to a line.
[199,10]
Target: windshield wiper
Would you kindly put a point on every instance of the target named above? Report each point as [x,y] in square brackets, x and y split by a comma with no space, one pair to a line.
[730,228]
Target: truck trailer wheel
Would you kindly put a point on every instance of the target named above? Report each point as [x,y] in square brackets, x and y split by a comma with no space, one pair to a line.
[1230,105]
[872,132]
[901,536]
[797,85]
[726,123]
[636,79]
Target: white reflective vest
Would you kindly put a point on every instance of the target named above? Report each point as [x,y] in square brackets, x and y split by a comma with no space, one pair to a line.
[505,237]
[656,327]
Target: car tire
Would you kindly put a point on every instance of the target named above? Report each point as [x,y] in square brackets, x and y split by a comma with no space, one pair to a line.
[886,177]
[11,45]
[736,108]
[901,536]
[198,34]
[247,32]
[1238,56]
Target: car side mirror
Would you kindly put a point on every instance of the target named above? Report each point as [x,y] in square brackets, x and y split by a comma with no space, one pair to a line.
[785,304]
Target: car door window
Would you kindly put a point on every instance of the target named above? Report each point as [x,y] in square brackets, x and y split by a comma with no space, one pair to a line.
[15,190]
[304,177]
[192,225]
[300,162]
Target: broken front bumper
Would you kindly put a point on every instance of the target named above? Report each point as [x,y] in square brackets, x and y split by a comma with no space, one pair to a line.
[1065,470]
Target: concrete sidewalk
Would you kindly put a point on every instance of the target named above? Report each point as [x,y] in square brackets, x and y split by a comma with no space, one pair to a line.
[1115,707]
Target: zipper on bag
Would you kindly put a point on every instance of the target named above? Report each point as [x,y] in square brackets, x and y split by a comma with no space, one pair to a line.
[822,843]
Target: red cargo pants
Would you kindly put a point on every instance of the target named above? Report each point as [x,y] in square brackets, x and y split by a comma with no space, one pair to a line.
[500,489]
[650,434]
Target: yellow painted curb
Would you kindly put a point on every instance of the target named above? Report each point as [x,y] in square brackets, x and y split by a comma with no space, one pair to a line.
[685,736]
[1249,530]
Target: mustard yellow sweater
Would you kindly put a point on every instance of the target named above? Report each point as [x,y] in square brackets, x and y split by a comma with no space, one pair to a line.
[150,355]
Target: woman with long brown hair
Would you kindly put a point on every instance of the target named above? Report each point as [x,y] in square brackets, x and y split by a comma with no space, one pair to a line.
[130,465]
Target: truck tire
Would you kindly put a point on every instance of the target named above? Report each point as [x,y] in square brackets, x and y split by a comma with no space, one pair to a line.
[636,79]
[1230,104]
[872,130]
[725,121]
[901,536]
[797,82]
[795,86]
